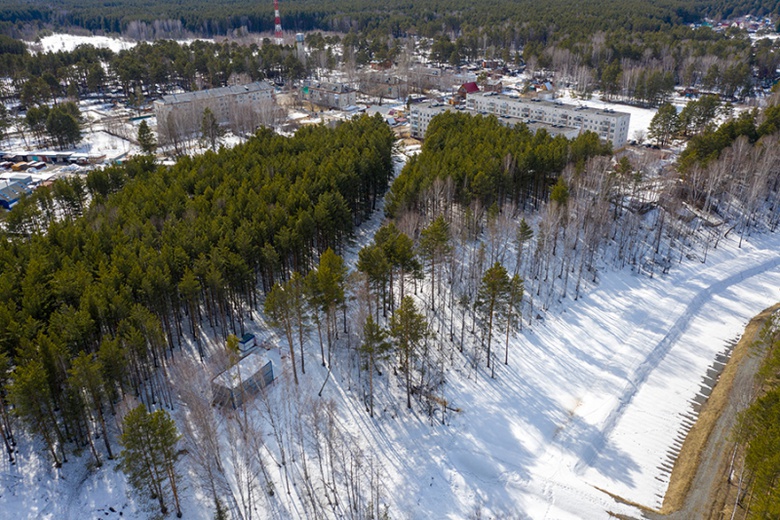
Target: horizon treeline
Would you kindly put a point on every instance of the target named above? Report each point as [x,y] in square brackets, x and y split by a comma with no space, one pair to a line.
[528,20]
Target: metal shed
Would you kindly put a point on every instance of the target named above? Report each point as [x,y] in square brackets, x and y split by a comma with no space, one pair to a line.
[243,380]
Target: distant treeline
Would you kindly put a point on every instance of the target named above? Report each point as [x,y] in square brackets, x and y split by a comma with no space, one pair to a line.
[530,20]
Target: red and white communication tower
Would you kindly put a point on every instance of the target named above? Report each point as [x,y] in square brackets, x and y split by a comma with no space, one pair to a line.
[278,21]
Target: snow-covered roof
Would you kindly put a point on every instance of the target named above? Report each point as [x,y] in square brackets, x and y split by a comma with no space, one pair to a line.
[186,97]
[246,367]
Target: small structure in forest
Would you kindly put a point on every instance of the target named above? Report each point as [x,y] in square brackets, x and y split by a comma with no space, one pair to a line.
[243,380]
[247,342]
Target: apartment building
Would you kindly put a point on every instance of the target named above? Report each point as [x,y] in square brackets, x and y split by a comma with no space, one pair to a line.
[329,95]
[219,100]
[610,125]
[420,116]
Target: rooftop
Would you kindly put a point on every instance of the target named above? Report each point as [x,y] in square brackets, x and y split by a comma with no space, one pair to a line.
[186,97]
[246,367]
[330,87]
[553,104]
[534,126]
[11,191]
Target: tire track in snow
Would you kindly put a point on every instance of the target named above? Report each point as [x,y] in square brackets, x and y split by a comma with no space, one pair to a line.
[657,354]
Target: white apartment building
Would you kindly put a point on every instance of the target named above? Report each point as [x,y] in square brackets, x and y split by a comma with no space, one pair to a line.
[219,100]
[420,116]
[329,95]
[608,124]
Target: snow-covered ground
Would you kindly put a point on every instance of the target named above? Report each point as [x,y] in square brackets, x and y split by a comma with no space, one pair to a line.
[592,399]
[68,42]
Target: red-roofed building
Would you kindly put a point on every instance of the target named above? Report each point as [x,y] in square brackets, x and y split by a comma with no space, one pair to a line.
[468,88]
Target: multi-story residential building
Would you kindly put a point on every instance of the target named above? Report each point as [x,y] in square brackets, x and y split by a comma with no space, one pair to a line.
[241,107]
[420,116]
[610,125]
[330,95]
[218,100]
[383,85]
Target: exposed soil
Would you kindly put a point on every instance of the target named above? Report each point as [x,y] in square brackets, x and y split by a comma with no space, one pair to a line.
[699,487]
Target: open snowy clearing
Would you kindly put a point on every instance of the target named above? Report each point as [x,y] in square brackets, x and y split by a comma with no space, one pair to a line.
[67,42]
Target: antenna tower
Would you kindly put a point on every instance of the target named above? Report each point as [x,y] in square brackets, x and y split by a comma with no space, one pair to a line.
[278,21]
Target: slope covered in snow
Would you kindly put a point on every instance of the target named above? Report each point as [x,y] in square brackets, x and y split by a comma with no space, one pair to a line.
[592,399]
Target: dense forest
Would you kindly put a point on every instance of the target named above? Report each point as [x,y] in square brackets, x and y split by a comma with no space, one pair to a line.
[488,162]
[106,270]
[152,68]
[498,24]
[533,19]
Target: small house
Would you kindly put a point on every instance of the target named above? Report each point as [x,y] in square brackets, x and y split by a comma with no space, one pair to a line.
[468,88]
[243,380]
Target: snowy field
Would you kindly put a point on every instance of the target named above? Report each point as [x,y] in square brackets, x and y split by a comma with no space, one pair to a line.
[68,42]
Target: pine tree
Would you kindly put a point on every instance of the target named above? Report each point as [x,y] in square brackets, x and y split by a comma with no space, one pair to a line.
[374,264]
[524,235]
[149,454]
[86,376]
[325,287]
[220,513]
[375,347]
[5,122]
[63,124]
[296,291]
[408,327]
[401,254]
[435,244]
[210,129]
[514,318]
[146,139]
[492,300]
[5,422]
[278,309]
[664,124]
[31,396]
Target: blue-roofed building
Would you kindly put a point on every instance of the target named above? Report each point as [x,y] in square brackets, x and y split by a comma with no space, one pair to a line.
[11,192]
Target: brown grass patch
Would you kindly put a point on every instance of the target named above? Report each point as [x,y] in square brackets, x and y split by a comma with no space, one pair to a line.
[687,462]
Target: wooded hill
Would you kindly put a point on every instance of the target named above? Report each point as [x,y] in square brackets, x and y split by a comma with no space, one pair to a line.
[107,270]
[208,19]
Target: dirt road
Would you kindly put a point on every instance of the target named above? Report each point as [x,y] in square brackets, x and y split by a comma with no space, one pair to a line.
[699,487]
